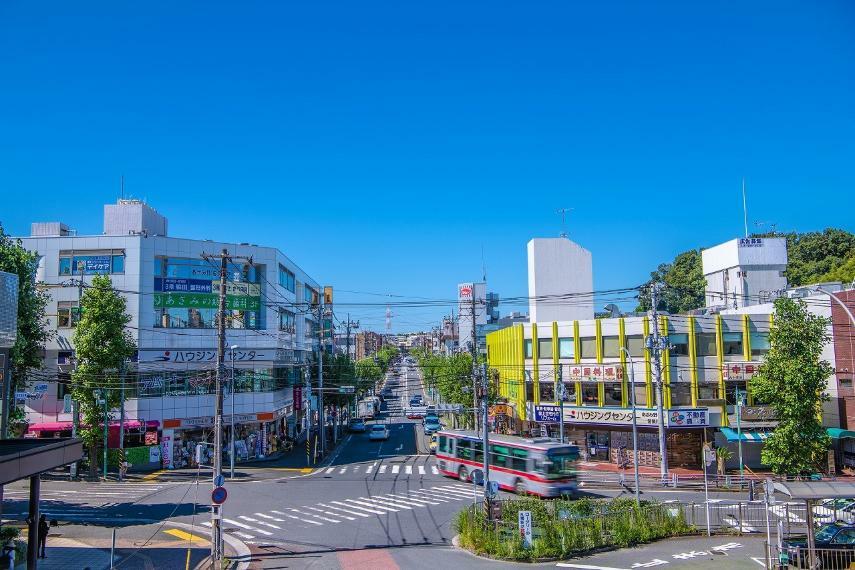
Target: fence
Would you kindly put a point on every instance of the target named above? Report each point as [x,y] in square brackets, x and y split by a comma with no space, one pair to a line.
[798,557]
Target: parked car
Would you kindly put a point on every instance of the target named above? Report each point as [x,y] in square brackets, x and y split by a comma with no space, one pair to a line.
[356,426]
[378,432]
[835,547]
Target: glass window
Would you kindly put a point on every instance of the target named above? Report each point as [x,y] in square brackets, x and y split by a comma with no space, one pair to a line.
[733,344]
[547,392]
[310,296]
[640,395]
[589,347]
[612,394]
[500,455]
[589,395]
[68,314]
[118,264]
[706,344]
[463,449]
[286,279]
[527,347]
[681,394]
[443,444]
[287,321]
[569,391]
[544,348]
[635,345]
[519,459]
[759,343]
[566,349]
[529,391]
[611,347]
[680,342]
[65,266]
[707,391]
[731,390]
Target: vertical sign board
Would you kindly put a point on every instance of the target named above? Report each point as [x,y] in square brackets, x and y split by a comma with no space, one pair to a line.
[525,527]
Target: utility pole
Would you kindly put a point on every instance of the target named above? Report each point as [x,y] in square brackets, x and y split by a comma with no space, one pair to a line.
[348,325]
[474,350]
[485,393]
[561,395]
[656,344]
[122,419]
[75,409]
[321,416]
[216,528]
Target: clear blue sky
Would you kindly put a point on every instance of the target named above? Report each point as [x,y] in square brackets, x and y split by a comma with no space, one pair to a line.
[381,144]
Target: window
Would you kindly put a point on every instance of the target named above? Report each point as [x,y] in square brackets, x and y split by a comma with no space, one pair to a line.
[759,343]
[444,444]
[845,536]
[478,448]
[287,321]
[611,347]
[519,459]
[527,347]
[92,263]
[681,394]
[68,314]
[310,296]
[529,391]
[707,391]
[569,391]
[706,344]
[566,348]
[547,392]
[635,345]
[680,342]
[464,449]
[286,279]
[589,395]
[733,344]
[731,390]
[612,394]
[544,348]
[500,456]
[640,395]
[589,348]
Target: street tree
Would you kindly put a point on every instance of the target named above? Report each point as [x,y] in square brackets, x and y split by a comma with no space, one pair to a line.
[368,373]
[102,344]
[385,356]
[33,331]
[792,379]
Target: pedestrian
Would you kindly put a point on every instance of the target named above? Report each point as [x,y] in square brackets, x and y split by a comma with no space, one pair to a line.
[44,526]
[123,469]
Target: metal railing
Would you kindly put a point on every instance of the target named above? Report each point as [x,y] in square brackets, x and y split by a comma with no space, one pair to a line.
[789,557]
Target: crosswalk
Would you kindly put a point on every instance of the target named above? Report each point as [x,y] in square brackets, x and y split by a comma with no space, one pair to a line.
[378,469]
[266,524]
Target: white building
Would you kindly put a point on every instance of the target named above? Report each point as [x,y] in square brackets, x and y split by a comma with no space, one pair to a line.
[471,295]
[560,280]
[745,271]
[171,293]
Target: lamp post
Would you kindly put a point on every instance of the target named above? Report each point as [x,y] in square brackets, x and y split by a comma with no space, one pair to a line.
[838,301]
[634,421]
[232,348]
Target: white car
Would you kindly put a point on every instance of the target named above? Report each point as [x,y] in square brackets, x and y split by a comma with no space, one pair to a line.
[378,432]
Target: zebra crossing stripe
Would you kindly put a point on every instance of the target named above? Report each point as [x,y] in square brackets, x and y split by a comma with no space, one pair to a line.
[296,518]
[447,495]
[370,468]
[386,501]
[247,527]
[262,515]
[382,469]
[330,470]
[454,490]
[372,505]
[421,469]
[434,470]
[343,510]
[408,469]
[256,521]
[314,515]
[397,502]
[244,535]
[395,469]
[329,513]
[434,496]
[414,499]
[342,470]
[358,508]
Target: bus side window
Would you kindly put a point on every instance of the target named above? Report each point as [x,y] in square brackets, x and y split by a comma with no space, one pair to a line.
[499,455]
[443,444]
[463,450]
[479,451]
[520,459]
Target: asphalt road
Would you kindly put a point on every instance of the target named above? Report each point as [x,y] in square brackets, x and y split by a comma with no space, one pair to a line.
[372,505]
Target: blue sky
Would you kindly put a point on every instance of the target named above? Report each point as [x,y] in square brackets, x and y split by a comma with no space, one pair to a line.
[380,145]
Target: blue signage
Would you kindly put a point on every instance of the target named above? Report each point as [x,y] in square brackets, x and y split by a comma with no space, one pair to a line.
[219,495]
[548,414]
[175,285]
[95,263]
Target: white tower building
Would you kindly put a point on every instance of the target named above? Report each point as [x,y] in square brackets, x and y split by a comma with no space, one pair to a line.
[560,280]
[745,271]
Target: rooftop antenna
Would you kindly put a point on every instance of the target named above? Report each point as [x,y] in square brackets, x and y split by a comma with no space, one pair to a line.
[483,265]
[563,212]
[744,208]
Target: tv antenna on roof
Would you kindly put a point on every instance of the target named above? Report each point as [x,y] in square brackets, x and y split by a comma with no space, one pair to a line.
[563,212]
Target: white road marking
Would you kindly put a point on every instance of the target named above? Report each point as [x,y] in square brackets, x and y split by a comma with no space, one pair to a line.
[434,470]
[421,469]
[412,498]
[359,508]
[247,527]
[342,470]
[382,469]
[295,518]
[372,505]
[262,515]
[400,502]
[244,535]
[343,510]
[434,497]
[446,494]
[329,513]
[408,469]
[331,469]
[452,491]
[371,468]
[314,515]
[587,566]
[395,469]
[731,520]
[256,521]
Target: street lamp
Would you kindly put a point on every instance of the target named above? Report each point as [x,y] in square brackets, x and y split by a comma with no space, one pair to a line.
[834,298]
[634,421]
[232,348]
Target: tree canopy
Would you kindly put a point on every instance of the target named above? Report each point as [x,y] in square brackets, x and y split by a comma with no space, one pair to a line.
[684,284]
[33,330]
[792,379]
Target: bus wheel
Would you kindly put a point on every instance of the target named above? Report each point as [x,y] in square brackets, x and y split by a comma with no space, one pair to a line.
[519,487]
[461,474]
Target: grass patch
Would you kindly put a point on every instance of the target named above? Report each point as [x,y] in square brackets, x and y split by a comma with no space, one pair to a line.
[563,528]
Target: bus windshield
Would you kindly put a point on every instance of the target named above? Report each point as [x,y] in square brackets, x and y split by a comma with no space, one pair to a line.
[558,463]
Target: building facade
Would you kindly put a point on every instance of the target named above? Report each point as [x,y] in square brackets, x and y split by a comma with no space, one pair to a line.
[171,291]
[560,280]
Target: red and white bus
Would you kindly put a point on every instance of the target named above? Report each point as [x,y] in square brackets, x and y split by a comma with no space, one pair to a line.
[539,466]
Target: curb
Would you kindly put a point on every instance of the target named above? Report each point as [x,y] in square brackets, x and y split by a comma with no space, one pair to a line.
[244,555]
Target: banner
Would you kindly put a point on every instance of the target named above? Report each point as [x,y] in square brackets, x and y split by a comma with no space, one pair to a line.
[205,301]
[674,418]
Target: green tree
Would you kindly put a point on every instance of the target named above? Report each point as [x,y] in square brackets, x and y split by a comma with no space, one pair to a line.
[813,255]
[339,370]
[385,356]
[33,330]
[101,344]
[792,379]
[368,373]
[685,284]
[844,272]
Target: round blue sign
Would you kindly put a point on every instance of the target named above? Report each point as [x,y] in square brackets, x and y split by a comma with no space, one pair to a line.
[219,480]
[219,495]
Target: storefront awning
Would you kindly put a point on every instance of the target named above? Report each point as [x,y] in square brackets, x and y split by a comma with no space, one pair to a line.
[754,436]
[838,433]
[65,426]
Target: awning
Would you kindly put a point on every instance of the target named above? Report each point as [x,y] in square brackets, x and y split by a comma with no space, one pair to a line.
[752,436]
[65,426]
[838,433]
[815,490]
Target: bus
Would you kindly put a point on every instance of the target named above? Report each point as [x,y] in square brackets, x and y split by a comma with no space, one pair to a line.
[536,466]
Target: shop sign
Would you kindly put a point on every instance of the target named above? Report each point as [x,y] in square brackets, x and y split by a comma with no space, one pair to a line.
[687,417]
[549,414]
[757,413]
[154,454]
[166,449]
[150,437]
[498,410]
[298,398]
[238,288]
[596,373]
[751,242]
[206,301]
[464,291]
[739,370]
[39,391]
[611,416]
[173,285]
[94,263]
[524,526]
[202,356]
